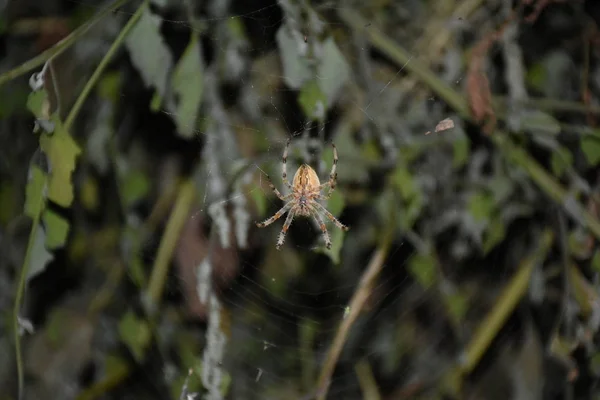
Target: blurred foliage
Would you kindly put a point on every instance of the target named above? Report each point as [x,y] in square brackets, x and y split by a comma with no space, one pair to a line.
[138,140]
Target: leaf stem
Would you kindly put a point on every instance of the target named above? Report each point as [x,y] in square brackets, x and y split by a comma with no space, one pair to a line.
[59,47]
[21,292]
[102,66]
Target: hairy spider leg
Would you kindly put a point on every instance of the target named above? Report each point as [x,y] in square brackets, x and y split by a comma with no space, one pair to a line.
[332,176]
[286,182]
[322,226]
[329,215]
[286,226]
[277,192]
[277,215]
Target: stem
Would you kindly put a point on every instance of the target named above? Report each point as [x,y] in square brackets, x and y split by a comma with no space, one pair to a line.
[21,293]
[59,47]
[103,64]
[169,240]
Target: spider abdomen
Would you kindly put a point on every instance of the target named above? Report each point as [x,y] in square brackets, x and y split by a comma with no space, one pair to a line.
[306,179]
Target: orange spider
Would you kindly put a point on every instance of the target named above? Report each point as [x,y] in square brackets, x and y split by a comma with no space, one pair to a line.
[306,190]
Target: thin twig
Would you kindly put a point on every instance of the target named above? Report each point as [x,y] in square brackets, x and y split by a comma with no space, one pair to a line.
[360,297]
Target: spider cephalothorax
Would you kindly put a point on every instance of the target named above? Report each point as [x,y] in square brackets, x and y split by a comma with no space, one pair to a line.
[306,190]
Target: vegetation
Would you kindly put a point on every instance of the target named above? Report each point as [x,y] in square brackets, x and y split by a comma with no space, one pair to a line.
[137,143]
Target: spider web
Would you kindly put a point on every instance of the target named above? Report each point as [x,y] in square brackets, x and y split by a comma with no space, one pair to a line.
[279,311]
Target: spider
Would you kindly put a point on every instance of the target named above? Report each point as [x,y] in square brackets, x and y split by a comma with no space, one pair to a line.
[306,190]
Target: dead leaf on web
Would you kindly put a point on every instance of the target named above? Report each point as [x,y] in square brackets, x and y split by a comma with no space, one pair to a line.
[443,125]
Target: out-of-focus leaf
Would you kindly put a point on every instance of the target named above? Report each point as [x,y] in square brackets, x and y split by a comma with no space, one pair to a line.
[40,257]
[578,243]
[296,70]
[457,304]
[461,146]
[337,241]
[62,152]
[89,194]
[109,86]
[34,193]
[187,86]
[260,201]
[590,146]
[97,145]
[333,71]
[538,121]
[370,152]
[336,203]
[423,268]
[596,261]
[313,101]
[494,234]
[149,52]
[57,229]
[135,333]
[481,206]
[404,182]
[134,187]
[560,160]
[537,76]
[411,195]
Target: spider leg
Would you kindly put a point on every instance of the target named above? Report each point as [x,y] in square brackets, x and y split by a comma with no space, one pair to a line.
[286,226]
[323,228]
[284,166]
[329,215]
[332,175]
[277,192]
[276,216]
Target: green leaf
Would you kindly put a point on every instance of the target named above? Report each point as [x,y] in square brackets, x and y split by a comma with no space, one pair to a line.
[336,203]
[337,241]
[458,305]
[333,71]
[560,160]
[590,146]
[596,261]
[481,205]
[34,193]
[423,268]
[149,52]
[36,102]
[187,86]
[109,86]
[404,182]
[135,333]
[61,151]
[493,235]
[135,186]
[57,230]
[313,101]
[260,201]
[40,257]
[461,146]
[538,121]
